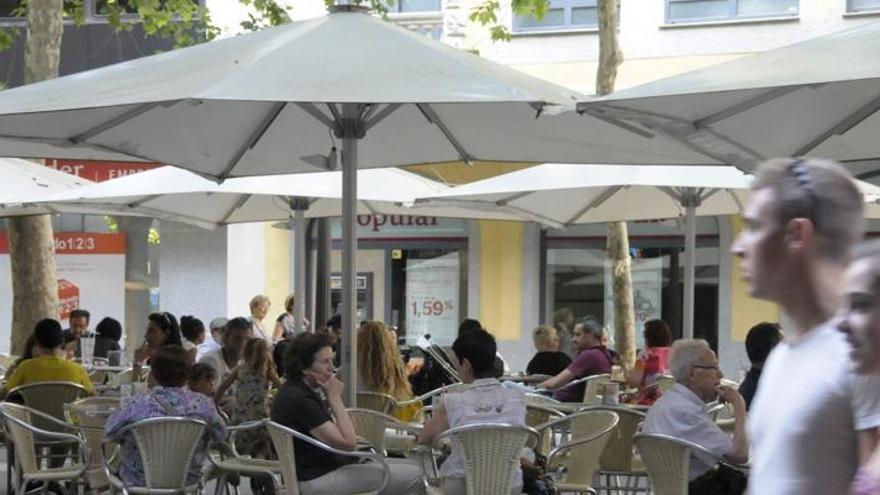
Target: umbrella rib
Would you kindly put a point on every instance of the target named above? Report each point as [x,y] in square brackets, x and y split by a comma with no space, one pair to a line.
[141,202]
[605,196]
[843,126]
[238,204]
[254,138]
[369,207]
[623,125]
[705,141]
[319,115]
[746,105]
[433,118]
[118,120]
[388,110]
[513,197]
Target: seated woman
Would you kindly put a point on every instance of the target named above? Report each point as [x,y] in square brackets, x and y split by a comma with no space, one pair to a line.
[380,365]
[310,402]
[107,335]
[483,400]
[651,362]
[548,360]
[169,397]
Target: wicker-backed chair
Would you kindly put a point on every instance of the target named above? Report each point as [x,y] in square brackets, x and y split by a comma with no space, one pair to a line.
[618,459]
[491,452]
[91,427]
[376,401]
[541,400]
[20,422]
[166,446]
[49,398]
[668,461]
[537,415]
[665,382]
[282,438]
[231,463]
[582,438]
[373,427]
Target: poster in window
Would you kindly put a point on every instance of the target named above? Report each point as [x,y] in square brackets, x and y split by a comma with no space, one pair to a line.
[432,299]
[647,283]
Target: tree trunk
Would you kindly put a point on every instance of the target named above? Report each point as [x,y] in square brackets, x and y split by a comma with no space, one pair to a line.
[610,58]
[31,240]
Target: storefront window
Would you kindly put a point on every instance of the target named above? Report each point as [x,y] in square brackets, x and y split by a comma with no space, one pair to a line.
[577,276]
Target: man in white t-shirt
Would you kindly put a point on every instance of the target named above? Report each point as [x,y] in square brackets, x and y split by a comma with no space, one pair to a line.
[812,420]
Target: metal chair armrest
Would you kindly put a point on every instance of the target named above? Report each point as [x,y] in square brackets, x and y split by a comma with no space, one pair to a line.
[361,455]
[85,453]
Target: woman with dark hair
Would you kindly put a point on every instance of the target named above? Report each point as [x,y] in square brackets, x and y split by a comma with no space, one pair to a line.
[310,402]
[651,362]
[162,330]
[169,397]
[107,335]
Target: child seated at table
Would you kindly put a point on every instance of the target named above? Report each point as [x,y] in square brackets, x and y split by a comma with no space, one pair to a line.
[202,378]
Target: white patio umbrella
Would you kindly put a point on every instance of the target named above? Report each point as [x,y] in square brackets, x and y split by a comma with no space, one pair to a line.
[23,179]
[561,195]
[819,97]
[170,193]
[277,101]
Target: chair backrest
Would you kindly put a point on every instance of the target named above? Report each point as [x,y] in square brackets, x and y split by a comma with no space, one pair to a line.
[665,382]
[49,398]
[282,440]
[375,401]
[580,453]
[667,460]
[91,426]
[370,425]
[540,399]
[536,415]
[593,388]
[166,446]
[491,452]
[618,453]
[22,438]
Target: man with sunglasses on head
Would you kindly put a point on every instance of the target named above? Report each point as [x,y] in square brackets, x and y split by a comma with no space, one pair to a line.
[813,420]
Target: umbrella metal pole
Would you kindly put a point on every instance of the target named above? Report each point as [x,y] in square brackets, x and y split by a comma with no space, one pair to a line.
[349,128]
[299,259]
[690,254]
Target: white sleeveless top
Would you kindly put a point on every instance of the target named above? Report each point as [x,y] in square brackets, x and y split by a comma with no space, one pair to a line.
[483,401]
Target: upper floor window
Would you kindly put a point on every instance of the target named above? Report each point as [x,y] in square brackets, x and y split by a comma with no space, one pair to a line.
[561,14]
[726,10]
[862,5]
[406,6]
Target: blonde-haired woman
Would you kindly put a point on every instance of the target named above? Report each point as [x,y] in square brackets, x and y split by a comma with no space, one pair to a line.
[380,365]
[260,305]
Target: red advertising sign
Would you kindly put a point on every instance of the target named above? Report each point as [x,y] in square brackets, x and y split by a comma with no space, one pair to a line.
[80,243]
[99,171]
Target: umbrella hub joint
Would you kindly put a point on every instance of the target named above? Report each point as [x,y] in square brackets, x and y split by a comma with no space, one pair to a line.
[298,203]
[350,127]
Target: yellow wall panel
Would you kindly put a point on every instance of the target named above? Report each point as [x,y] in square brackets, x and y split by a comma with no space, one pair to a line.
[745,310]
[278,283]
[501,261]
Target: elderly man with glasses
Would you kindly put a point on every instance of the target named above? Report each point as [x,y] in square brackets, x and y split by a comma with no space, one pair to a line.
[682,413]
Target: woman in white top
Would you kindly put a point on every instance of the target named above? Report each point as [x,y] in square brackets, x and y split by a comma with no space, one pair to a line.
[483,400]
[260,305]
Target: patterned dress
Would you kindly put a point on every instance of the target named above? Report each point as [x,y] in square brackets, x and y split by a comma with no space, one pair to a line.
[161,401]
[251,404]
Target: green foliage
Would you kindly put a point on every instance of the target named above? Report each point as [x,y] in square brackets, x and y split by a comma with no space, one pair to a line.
[183,22]
[268,13]
[487,15]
